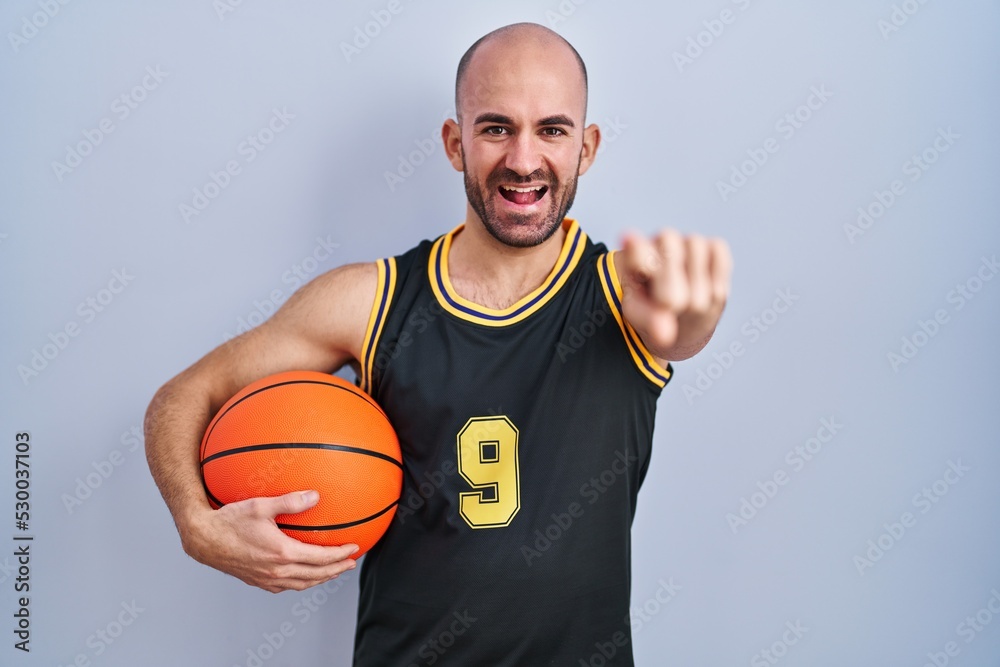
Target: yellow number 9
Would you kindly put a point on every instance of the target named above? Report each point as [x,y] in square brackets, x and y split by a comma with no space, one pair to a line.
[487,459]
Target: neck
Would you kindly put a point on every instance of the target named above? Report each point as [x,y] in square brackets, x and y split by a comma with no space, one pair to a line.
[492,274]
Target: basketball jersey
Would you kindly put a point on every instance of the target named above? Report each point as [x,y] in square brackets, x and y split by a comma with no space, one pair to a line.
[526,433]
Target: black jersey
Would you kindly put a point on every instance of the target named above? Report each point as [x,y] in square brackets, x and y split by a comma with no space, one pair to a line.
[526,433]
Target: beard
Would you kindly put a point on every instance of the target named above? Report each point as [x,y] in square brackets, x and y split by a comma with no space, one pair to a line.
[520,230]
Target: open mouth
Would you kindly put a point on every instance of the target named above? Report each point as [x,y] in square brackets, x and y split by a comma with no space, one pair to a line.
[523,196]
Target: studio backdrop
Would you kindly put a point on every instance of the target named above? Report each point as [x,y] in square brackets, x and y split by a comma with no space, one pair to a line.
[824,482]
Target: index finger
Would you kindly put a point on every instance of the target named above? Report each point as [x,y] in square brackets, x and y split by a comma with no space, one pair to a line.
[315,554]
[720,268]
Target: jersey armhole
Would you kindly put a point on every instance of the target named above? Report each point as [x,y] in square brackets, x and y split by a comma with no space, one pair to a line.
[642,357]
[384,290]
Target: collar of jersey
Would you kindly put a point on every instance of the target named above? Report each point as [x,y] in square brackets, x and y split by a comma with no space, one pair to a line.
[437,272]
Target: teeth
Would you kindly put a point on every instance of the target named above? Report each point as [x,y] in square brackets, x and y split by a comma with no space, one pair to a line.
[516,189]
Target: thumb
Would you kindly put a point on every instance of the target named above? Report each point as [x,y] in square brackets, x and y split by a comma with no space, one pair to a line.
[293,503]
[639,257]
[656,326]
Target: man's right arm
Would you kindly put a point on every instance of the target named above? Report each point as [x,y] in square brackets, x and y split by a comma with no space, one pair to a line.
[321,328]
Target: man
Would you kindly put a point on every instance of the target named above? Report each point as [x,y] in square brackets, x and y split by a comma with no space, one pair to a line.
[520,364]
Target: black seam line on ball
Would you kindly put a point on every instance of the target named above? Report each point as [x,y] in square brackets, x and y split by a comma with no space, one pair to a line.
[360,394]
[337,526]
[302,445]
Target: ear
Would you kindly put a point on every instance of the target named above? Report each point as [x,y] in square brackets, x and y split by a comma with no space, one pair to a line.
[591,142]
[451,134]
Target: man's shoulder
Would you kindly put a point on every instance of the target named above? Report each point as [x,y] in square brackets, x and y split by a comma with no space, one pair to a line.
[423,247]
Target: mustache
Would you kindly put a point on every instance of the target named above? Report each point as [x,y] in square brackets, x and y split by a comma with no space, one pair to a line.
[504,175]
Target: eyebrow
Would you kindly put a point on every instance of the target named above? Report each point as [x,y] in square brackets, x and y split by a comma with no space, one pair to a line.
[500,119]
[559,119]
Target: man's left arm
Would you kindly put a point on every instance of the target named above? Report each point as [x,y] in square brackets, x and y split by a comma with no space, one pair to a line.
[674,289]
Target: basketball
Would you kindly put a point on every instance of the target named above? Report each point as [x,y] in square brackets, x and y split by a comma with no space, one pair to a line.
[300,431]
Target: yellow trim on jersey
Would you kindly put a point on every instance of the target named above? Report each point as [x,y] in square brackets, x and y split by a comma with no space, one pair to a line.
[385,287]
[451,301]
[644,360]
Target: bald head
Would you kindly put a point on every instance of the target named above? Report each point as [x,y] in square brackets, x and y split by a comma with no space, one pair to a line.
[518,38]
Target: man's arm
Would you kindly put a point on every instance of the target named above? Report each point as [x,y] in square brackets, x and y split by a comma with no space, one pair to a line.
[674,290]
[320,328]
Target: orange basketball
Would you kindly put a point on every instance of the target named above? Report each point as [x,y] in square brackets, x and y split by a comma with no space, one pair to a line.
[300,431]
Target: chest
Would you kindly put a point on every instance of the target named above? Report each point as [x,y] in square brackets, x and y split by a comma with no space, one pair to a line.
[491,295]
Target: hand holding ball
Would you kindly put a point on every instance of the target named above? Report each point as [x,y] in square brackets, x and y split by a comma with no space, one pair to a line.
[300,431]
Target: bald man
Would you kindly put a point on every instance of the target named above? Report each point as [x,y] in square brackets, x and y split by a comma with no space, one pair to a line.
[520,364]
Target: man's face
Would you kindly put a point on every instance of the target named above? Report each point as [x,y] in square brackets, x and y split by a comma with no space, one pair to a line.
[522,139]
[529,208]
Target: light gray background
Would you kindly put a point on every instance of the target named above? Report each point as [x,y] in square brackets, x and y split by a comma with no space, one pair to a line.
[671,134]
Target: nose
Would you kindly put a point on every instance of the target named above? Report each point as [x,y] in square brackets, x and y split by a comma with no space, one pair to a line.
[523,155]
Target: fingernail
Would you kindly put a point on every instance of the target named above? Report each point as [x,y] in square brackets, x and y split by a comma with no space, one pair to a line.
[310,496]
[355,550]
